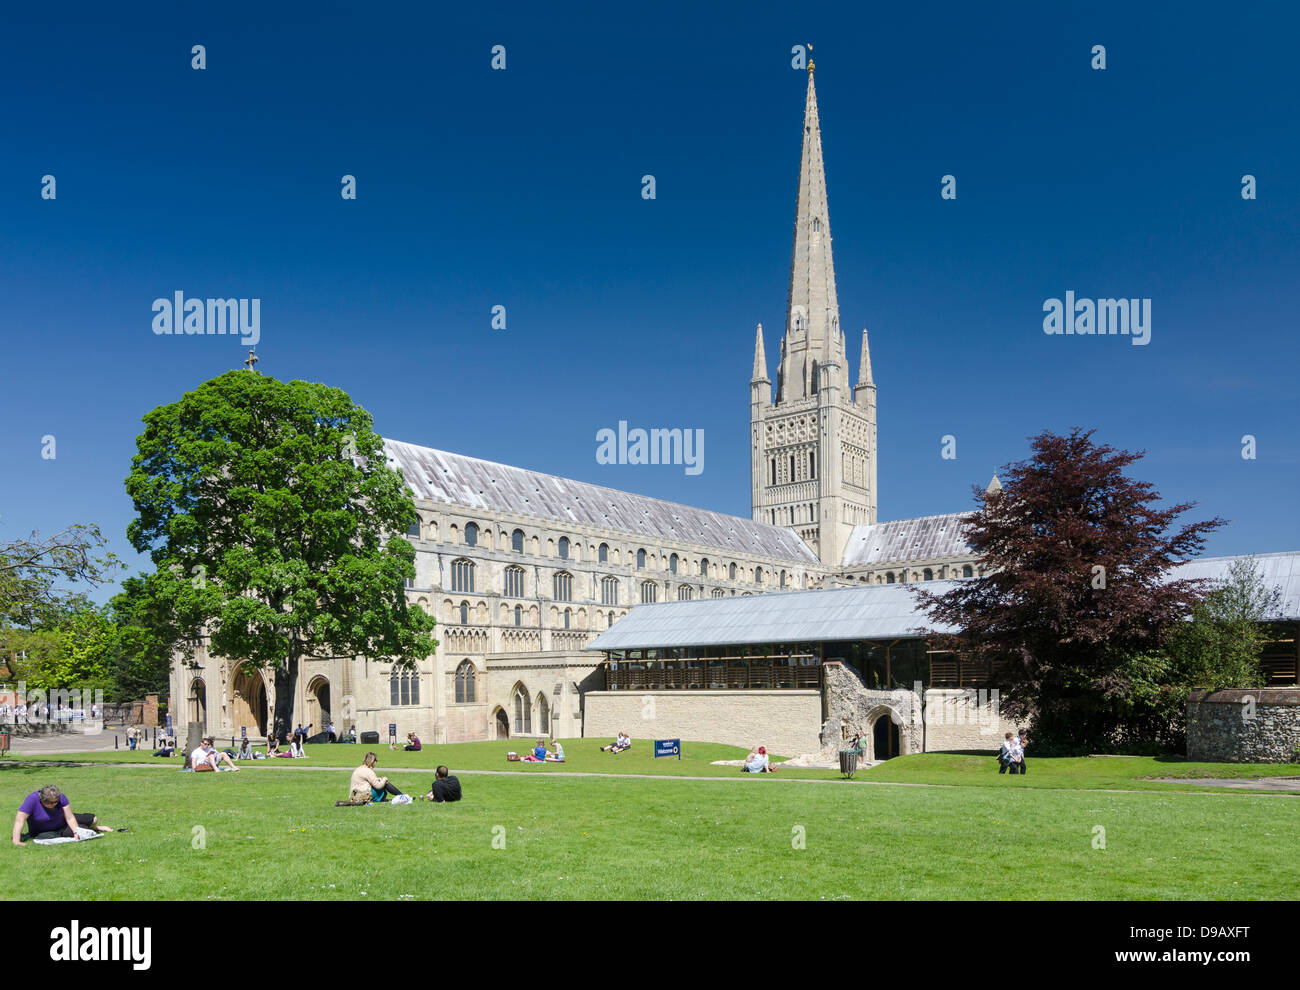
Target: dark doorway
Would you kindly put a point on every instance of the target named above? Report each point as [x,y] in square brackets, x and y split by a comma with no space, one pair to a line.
[885,738]
[503,725]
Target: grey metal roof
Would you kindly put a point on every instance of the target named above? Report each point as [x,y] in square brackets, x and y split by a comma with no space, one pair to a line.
[440,476]
[922,538]
[877,611]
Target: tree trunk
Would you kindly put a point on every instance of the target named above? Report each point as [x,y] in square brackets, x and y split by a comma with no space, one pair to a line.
[286,683]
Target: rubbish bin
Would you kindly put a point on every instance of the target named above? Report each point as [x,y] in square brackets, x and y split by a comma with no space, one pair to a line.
[369,738]
[848,762]
[4,741]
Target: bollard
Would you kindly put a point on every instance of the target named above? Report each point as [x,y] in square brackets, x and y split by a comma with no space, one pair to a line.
[115,740]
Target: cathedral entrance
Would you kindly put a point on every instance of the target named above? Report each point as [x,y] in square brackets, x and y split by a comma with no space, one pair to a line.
[198,703]
[318,704]
[248,707]
[503,724]
[884,736]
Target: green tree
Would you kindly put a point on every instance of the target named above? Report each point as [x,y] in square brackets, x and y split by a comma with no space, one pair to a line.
[274,524]
[1222,644]
[31,572]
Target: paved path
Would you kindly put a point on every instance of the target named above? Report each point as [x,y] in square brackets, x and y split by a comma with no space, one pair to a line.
[1291,785]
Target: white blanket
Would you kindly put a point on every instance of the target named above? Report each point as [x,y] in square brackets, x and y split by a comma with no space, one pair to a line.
[85,833]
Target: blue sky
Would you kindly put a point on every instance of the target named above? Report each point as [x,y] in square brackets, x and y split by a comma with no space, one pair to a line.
[523,188]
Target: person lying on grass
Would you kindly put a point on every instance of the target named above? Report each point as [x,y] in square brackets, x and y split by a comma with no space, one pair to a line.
[445,787]
[557,752]
[367,786]
[47,815]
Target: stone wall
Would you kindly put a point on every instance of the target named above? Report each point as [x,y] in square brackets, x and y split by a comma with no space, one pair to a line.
[957,719]
[1256,726]
[852,709]
[785,721]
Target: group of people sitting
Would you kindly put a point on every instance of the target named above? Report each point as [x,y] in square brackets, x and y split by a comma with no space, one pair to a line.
[206,757]
[367,787]
[540,755]
[624,741]
[757,762]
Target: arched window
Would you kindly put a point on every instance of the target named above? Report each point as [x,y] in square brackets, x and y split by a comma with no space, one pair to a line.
[464,613]
[404,688]
[966,571]
[889,577]
[462,575]
[519,615]
[543,715]
[523,713]
[649,592]
[773,472]
[609,591]
[568,622]
[672,563]
[410,583]
[517,541]
[563,586]
[783,579]
[718,593]
[514,581]
[471,535]
[414,528]
[792,475]
[731,572]
[640,560]
[564,548]
[465,682]
[704,567]
[758,575]
[611,618]
[929,574]
[602,554]
[685,593]
[812,464]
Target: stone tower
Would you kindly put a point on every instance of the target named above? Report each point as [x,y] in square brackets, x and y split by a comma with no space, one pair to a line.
[813,451]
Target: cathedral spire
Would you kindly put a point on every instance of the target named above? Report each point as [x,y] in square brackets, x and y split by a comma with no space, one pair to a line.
[864,364]
[760,359]
[813,313]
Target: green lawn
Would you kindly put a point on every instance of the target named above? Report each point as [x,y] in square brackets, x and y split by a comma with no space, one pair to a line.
[273,833]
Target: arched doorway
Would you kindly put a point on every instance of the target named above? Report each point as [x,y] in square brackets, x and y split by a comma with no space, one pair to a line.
[318,704]
[248,697]
[199,703]
[503,724]
[886,743]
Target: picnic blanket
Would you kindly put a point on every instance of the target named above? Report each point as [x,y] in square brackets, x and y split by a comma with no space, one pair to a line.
[85,833]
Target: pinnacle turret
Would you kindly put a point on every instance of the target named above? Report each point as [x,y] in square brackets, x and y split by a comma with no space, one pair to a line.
[760,359]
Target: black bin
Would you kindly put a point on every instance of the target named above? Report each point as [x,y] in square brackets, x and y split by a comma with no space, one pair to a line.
[369,738]
[848,761]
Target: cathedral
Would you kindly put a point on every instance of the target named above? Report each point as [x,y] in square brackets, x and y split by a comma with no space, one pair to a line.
[523,570]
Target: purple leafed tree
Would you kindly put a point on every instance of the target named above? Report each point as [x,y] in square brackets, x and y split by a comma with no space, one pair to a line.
[1075,596]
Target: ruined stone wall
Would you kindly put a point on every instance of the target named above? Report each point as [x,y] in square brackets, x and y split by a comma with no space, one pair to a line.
[1256,726]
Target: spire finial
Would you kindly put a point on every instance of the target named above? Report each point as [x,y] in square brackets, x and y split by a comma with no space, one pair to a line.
[811,64]
[252,360]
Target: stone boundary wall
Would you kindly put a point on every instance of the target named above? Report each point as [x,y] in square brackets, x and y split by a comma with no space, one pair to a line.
[959,719]
[785,721]
[1234,726]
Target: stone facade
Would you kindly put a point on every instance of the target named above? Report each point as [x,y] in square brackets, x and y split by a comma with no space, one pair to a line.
[784,721]
[1255,726]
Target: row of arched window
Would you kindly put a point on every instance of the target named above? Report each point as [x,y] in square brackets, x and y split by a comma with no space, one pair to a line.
[404,688]
[795,461]
[462,579]
[927,574]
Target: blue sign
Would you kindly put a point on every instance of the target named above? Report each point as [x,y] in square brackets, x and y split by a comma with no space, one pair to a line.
[668,747]
[392,730]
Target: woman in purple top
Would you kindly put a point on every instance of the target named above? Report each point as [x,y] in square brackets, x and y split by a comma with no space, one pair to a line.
[47,815]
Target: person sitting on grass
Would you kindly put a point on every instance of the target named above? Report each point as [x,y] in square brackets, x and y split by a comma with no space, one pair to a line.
[296,749]
[624,741]
[366,786]
[245,750]
[557,752]
[445,788]
[206,757]
[538,754]
[166,747]
[413,744]
[47,815]
[756,761]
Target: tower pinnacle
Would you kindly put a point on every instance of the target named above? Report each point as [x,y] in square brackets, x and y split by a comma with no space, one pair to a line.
[760,359]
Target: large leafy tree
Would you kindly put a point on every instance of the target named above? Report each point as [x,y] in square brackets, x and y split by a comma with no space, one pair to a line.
[274,523]
[1076,598]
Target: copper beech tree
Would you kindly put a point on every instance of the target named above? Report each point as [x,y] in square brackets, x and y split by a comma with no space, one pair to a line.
[1076,600]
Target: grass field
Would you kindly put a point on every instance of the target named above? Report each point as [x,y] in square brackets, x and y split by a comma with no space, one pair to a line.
[272,832]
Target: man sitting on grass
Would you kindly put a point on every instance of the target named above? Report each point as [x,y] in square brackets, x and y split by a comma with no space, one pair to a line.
[366,786]
[624,741]
[206,757]
[47,815]
[445,788]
